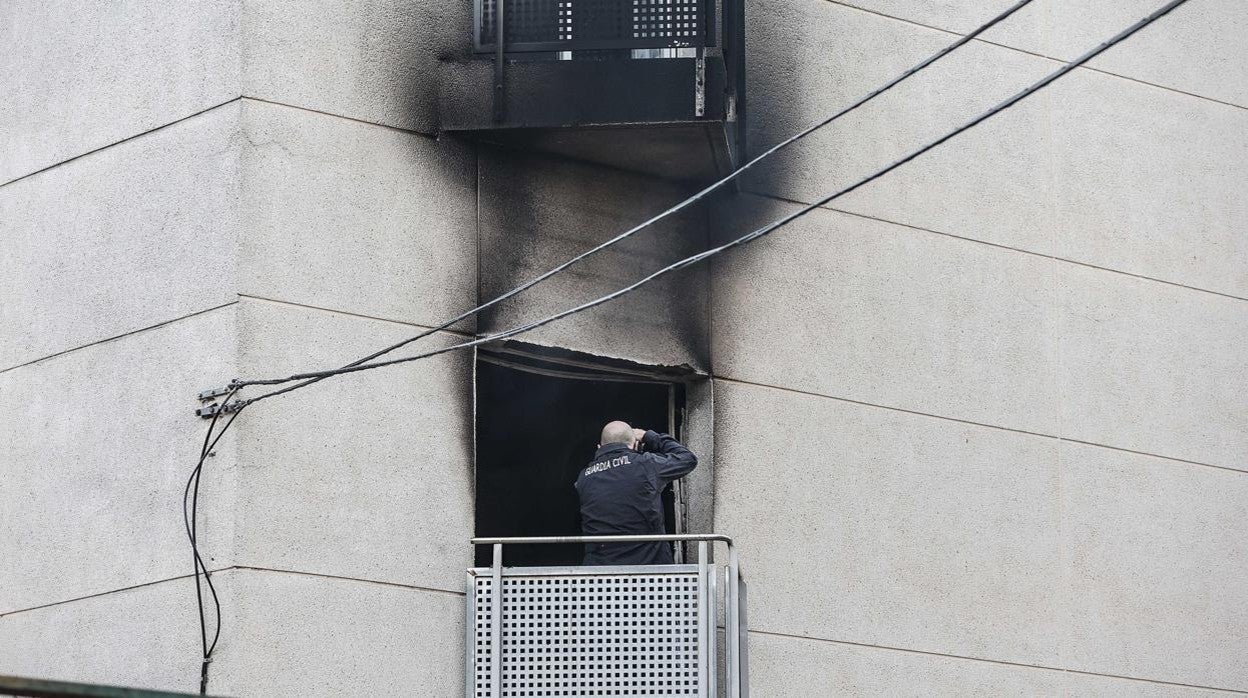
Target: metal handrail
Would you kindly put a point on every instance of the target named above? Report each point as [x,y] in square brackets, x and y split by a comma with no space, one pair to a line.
[645,538]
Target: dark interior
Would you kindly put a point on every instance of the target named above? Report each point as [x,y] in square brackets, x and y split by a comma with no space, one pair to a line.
[535,432]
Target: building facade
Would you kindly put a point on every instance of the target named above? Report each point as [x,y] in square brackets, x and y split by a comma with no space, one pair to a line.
[980,427]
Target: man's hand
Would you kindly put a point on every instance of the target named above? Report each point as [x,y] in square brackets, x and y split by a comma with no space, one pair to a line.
[639,434]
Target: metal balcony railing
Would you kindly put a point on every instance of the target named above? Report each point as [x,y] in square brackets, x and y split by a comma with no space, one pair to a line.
[579,25]
[638,630]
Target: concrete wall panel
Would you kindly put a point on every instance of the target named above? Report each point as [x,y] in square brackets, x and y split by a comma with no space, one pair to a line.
[1155,552]
[1096,169]
[904,531]
[367,475]
[874,526]
[80,76]
[886,315]
[537,213]
[1099,170]
[95,450]
[1147,182]
[141,638]
[1194,49]
[1153,368]
[856,308]
[841,55]
[310,636]
[375,61]
[355,217]
[135,235]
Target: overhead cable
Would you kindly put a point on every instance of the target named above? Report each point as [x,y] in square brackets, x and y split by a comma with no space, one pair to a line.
[674,209]
[760,232]
[211,441]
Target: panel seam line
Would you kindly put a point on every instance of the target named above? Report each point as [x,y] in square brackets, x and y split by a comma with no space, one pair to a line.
[127,139]
[415,587]
[105,593]
[1000,246]
[362,316]
[114,338]
[1034,54]
[979,424]
[400,129]
[1002,662]
[228,568]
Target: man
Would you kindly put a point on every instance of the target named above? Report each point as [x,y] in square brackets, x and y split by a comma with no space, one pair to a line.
[621,493]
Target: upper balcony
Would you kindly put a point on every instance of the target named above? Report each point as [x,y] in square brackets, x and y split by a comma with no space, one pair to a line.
[652,86]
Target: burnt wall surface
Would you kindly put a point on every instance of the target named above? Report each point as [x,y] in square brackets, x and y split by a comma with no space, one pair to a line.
[537,212]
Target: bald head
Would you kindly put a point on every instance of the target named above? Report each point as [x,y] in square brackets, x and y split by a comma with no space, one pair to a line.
[617,433]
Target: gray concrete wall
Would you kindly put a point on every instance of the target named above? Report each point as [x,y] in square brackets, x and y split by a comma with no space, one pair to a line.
[979,428]
[990,436]
[79,76]
[186,198]
[119,141]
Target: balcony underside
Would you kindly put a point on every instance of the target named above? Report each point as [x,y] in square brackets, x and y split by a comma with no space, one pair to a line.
[638,115]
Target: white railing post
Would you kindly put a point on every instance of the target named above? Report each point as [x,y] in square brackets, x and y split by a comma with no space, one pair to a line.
[496,625]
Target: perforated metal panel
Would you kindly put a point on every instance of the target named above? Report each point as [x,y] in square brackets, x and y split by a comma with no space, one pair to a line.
[587,634]
[571,25]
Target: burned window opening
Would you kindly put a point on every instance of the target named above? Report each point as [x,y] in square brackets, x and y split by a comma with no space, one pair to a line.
[538,415]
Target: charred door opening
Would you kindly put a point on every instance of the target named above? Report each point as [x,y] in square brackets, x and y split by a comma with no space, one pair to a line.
[538,424]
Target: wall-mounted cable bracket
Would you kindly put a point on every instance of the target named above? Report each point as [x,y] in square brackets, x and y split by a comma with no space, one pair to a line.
[212,393]
[214,409]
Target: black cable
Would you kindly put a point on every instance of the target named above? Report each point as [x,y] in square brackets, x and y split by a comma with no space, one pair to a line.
[207,656]
[674,209]
[754,235]
[207,576]
[211,442]
[190,534]
[191,523]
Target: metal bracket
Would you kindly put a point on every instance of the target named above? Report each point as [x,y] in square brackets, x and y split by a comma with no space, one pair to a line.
[214,409]
[500,60]
[214,393]
[699,87]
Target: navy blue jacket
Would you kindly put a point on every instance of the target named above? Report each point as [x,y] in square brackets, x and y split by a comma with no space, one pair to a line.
[621,493]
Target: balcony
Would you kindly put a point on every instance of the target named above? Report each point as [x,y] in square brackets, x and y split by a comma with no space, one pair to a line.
[653,86]
[640,630]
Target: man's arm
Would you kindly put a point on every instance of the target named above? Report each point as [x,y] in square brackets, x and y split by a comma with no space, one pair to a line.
[672,460]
